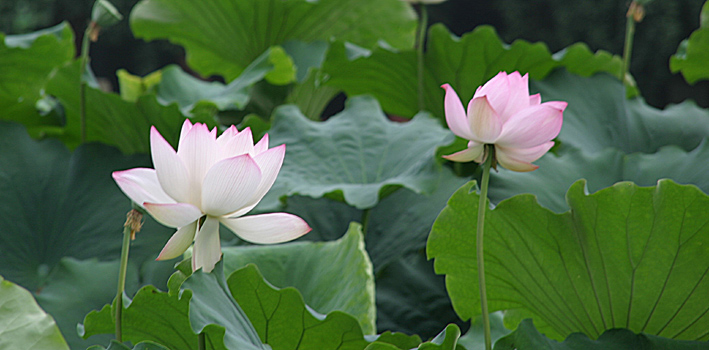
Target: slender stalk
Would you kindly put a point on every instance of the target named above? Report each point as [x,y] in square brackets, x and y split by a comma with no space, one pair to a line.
[482,205]
[635,14]
[133,224]
[365,221]
[122,282]
[420,43]
[202,341]
[82,83]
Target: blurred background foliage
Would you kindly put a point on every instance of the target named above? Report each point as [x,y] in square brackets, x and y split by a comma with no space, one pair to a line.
[558,23]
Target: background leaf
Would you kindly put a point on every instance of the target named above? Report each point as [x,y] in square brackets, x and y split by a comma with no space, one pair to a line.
[223,36]
[358,155]
[599,116]
[115,345]
[25,63]
[56,204]
[624,257]
[693,53]
[331,276]
[410,297]
[465,63]
[113,120]
[601,170]
[212,308]
[526,337]
[23,324]
[283,321]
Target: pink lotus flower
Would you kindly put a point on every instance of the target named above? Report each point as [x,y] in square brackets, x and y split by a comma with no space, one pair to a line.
[210,180]
[504,114]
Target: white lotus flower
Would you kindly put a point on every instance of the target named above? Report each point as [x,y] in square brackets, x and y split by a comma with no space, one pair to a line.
[210,180]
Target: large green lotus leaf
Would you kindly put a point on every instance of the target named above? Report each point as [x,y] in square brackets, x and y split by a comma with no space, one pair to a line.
[59,204]
[112,120]
[331,276]
[25,63]
[56,204]
[526,337]
[692,55]
[284,322]
[76,287]
[601,170]
[400,223]
[465,63]
[357,155]
[223,36]
[115,345]
[197,97]
[23,324]
[392,229]
[599,116]
[411,298]
[165,318]
[397,340]
[446,340]
[624,257]
[212,306]
[312,95]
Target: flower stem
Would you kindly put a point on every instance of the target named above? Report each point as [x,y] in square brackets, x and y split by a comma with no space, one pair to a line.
[122,282]
[482,205]
[635,14]
[420,43]
[132,225]
[82,84]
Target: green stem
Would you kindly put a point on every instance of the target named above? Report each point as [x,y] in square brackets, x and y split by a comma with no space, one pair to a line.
[82,83]
[122,282]
[628,47]
[482,205]
[365,221]
[202,341]
[420,43]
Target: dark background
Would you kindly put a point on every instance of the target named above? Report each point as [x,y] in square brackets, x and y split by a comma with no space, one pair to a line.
[558,23]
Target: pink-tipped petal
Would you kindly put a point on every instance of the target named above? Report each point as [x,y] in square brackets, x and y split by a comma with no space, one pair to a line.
[469,154]
[227,135]
[242,143]
[535,99]
[518,95]
[207,248]
[179,242]
[560,105]
[186,127]
[520,159]
[270,163]
[230,185]
[531,127]
[496,90]
[141,185]
[262,145]
[485,123]
[267,228]
[171,171]
[199,151]
[455,114]
[174,214]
